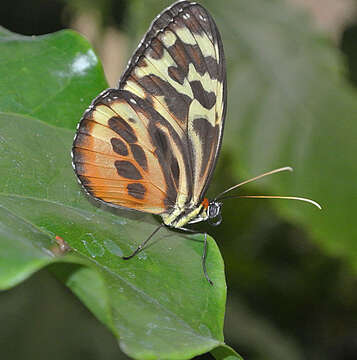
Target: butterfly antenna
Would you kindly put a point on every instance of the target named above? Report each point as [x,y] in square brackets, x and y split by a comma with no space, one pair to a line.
[286,168]
[273,197]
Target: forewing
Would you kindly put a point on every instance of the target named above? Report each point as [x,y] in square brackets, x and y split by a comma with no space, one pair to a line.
[179,68]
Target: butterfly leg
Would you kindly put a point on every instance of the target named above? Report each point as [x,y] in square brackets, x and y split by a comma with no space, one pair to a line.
[204,255]
[140,247]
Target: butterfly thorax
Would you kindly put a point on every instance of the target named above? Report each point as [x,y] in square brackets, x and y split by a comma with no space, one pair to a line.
[178,218]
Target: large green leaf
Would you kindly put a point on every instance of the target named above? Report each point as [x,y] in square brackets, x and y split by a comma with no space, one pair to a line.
[288,104]
[51,77]
[159,303]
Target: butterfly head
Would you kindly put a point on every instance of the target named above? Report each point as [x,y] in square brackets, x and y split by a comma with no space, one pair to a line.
[213,211]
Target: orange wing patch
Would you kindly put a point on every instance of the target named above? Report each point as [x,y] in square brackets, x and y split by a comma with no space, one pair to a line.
[115,160]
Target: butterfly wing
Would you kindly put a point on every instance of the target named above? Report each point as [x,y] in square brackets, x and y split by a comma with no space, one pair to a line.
[152,144]
[114,158]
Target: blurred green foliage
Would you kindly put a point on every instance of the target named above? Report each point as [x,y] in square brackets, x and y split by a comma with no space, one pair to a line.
[291,270]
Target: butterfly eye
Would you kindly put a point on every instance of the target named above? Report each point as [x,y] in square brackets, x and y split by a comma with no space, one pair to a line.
[214,212]
[214,209]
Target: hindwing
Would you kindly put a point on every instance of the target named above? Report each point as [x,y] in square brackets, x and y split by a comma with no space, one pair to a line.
[152,144]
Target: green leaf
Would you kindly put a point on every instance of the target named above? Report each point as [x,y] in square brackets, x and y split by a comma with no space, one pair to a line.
[52,77]
[21,251]
[225,352]
[159,304]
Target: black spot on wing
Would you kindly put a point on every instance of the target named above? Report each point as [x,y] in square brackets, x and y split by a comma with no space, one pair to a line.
[119,147]
[139,156]
[176,74]
[212,67]
[205,98]
[127,169]
[121,127]
[136,190]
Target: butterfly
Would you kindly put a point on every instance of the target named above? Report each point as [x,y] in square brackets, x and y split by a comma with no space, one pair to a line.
[152,144]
